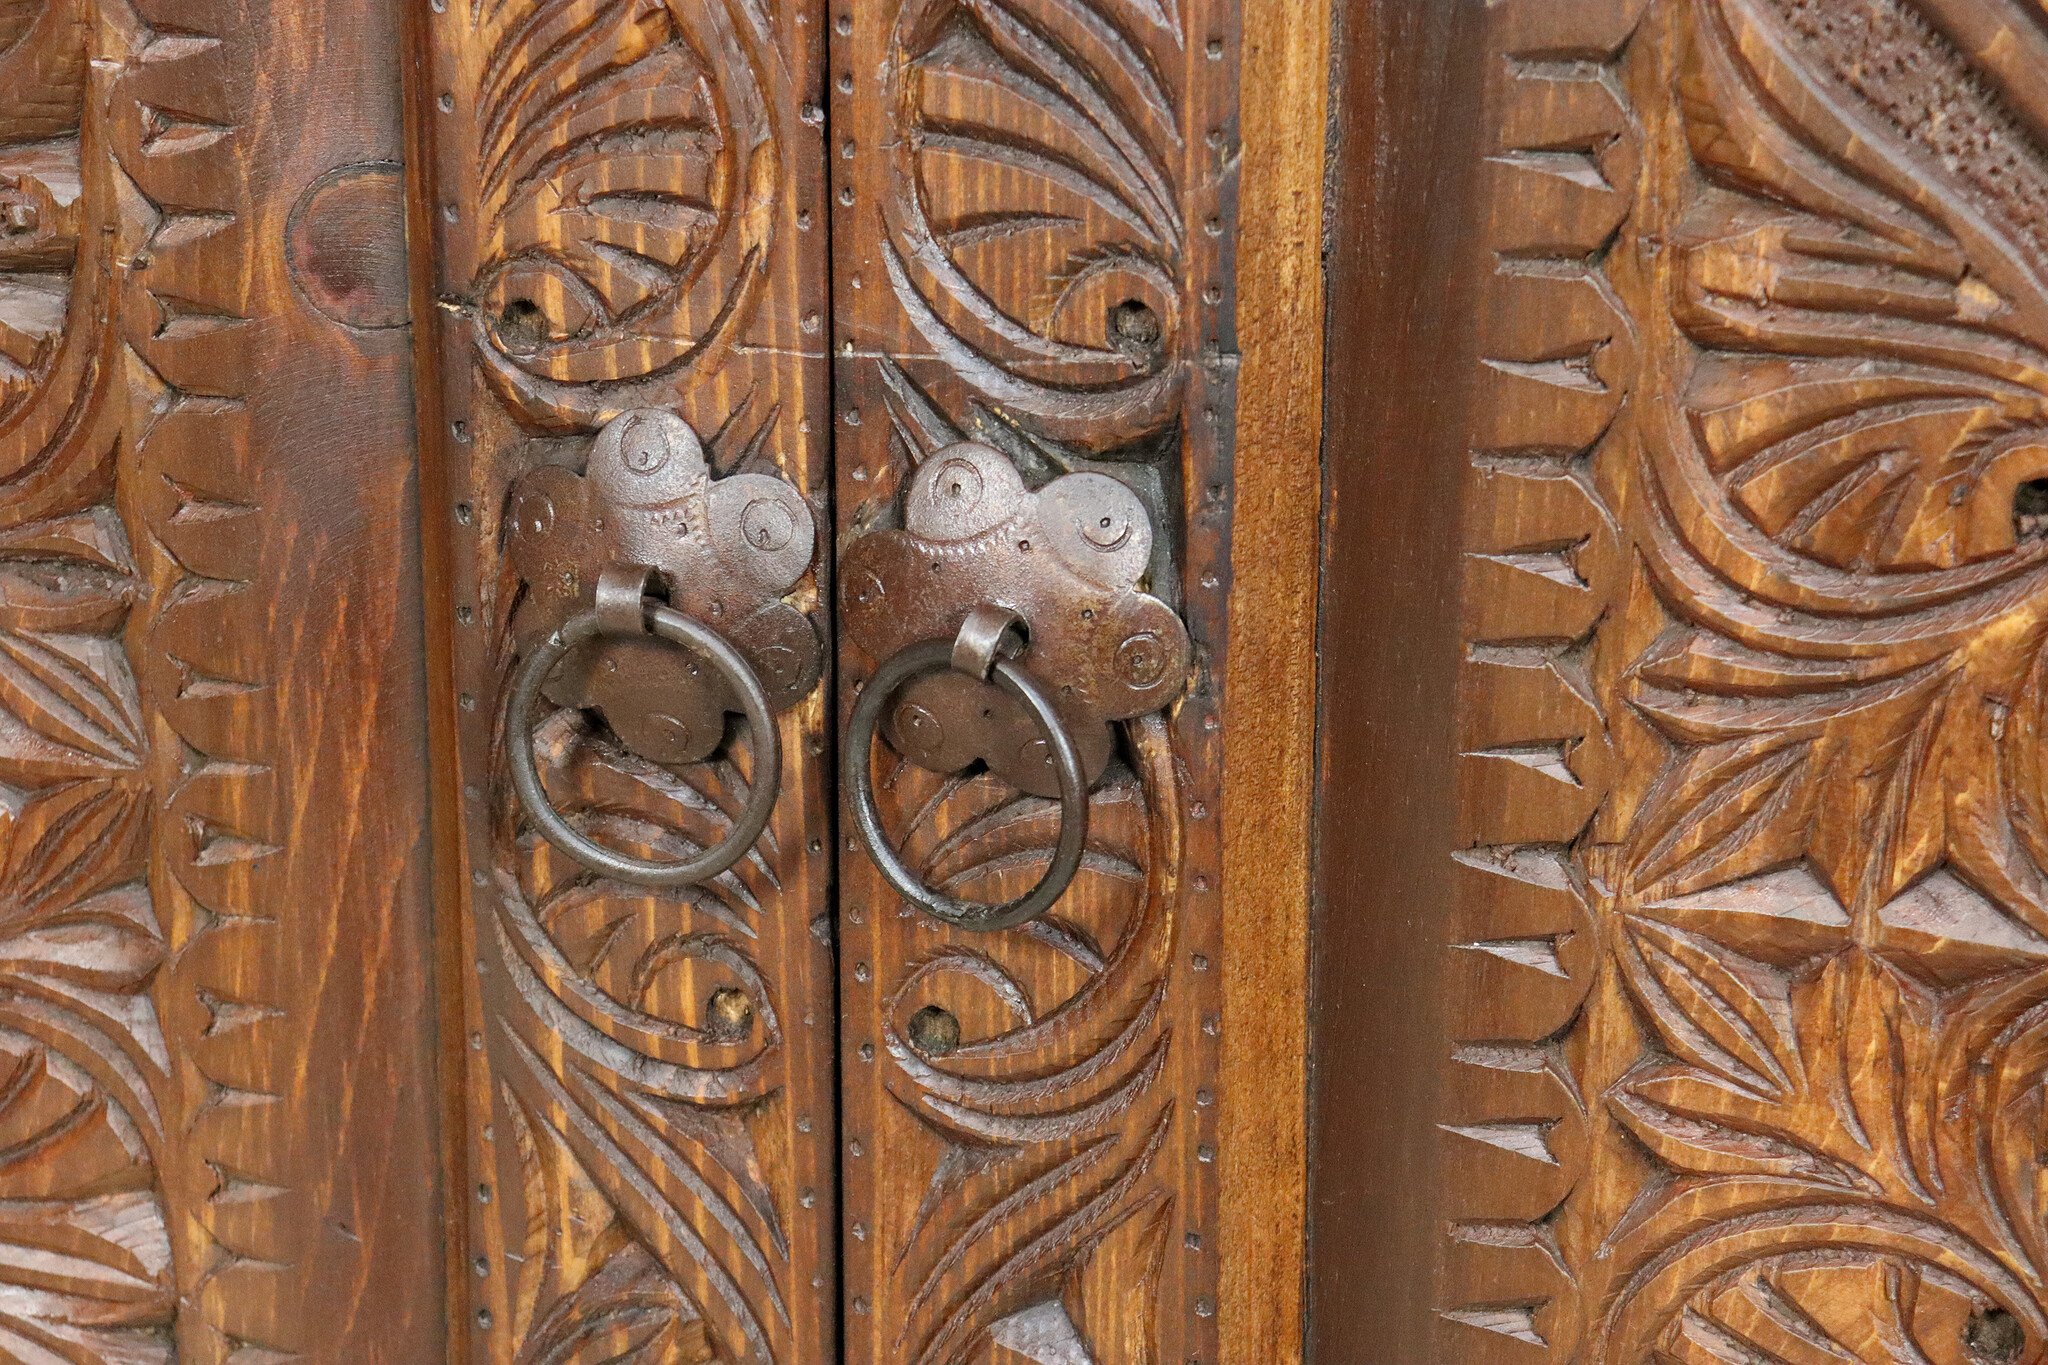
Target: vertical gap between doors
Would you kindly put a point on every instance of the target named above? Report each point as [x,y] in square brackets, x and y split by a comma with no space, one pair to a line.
[448,932]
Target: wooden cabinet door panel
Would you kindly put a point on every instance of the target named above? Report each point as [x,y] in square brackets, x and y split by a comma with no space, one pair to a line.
[215,1008]
[314,318]
[1033,213]
[626,206]
[1735,1052]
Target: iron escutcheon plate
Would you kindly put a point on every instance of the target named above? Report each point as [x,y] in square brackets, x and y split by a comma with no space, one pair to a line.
[726,549]
[1069,559]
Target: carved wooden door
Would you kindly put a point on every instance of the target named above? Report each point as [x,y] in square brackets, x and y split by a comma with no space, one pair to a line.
[1006,1151]
[1717,1029]
[430,440]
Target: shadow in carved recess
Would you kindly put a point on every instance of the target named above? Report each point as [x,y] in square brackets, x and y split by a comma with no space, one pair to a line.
[85,1256]
[1755,968]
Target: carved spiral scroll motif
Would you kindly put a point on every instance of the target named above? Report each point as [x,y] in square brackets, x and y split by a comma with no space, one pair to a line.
[1752,1056]
[1032,235]
[630,244]
[1036,234]
[633,168]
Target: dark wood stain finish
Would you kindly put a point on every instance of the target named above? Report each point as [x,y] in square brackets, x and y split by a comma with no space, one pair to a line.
[1403,277]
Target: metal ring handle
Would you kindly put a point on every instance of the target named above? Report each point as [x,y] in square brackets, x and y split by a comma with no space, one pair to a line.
[936,656]
[671,625]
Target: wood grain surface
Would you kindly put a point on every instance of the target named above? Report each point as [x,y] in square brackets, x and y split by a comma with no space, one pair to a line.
[626,208]
[310,1047]
[1403,274]
[1270,695]
[1727,1038]
[217,1033]
[1033,235]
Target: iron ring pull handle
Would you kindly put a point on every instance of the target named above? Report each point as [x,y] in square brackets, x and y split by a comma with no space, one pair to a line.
[626,606]
[988,643]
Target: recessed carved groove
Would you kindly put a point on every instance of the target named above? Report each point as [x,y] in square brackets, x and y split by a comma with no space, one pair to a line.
[1768,984]
[634,190]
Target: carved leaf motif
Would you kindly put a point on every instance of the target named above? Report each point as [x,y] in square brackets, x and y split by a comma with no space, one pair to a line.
[1101,1193]
[84,1254]
[72,815]
[1912,1139]
[69,707]
[1047,1115]
[629,176]
[627,1314]
[67,842]
[1722,1012]
[1986,1090]
[603,1299]
[1849,1307]
[1801,1076]
[85,1260]
[1767,744]
[978,838]
[1815,386]
[1684,1120]
[74,700]
[1724,810]
[1858,384]
[637,1067]
[1040,248]
[1841,282]
[42,95]
[1923,1111]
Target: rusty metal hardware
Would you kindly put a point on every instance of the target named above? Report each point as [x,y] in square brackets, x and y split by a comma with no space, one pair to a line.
[984,649]
[627,609]
[726,551]
[636,574]
[1068,559]
[1012,630]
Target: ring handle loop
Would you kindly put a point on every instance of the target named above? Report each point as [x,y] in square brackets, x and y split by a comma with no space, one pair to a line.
[616,615]
[986,646]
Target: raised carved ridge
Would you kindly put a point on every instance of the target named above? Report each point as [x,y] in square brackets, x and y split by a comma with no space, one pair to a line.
[1031,242]
[1772,1092]
[629,191]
